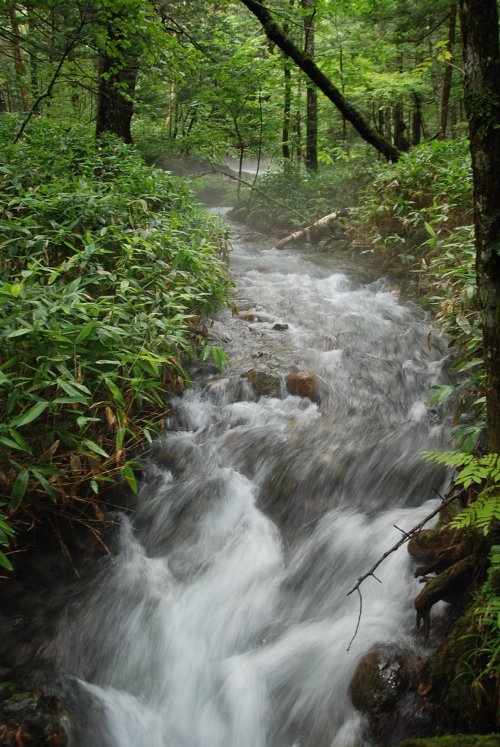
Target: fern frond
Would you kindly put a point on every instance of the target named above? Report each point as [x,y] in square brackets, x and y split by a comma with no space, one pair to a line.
[479,514]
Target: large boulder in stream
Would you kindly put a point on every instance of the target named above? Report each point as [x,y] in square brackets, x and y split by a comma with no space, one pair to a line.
[383,688]
[379,679]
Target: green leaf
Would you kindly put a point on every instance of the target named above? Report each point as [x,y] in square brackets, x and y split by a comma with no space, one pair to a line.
[19,332]
[5,562]
[10,443]
[19,489]
[127,474]
[45,484]
[95,447]
[117,395]
[23,444]
[32,414]
[85,331]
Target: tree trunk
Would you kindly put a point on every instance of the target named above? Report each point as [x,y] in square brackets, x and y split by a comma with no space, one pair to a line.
[400,139]
[117,79]
[311,159]
[3,103]
[287,108]
[479,20]
[34,82]
[308,66]
[18,59]
[416,120]
[448,73]
[327,226]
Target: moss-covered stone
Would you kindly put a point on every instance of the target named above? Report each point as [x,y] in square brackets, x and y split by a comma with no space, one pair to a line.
[455,740]
[457,674]
[33,718]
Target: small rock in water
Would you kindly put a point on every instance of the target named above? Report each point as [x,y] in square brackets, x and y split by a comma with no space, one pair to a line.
[303,384]
[264,383]
[248,316]
[280,327]
[391,288]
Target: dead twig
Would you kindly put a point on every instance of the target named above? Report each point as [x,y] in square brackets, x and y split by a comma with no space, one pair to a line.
[405,538]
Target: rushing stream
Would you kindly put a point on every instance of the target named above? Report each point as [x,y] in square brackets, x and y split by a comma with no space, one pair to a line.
[223,620]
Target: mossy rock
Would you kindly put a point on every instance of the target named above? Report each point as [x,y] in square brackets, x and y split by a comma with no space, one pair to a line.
[455,740]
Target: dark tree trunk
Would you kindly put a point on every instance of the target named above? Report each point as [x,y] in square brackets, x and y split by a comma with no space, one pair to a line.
[297,135]
[311,159]
[34,82]
[448,74]
[308,66]
[479,20]
[287,108]
[117,79]
[416,120]
[18,59]
[3,103]
[400,139]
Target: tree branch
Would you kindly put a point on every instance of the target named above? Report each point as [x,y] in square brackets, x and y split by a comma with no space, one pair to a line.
[405,538]
[275,34]
[55,76]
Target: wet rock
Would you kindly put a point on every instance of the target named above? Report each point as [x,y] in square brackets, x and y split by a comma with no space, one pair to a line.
[279,327]
[304,384]
[31,719]
[218,333]
[248,316]
[391,288]
[264,383]
[255,316]
[380,679]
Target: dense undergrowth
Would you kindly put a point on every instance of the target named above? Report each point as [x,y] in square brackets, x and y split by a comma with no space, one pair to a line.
[106,269]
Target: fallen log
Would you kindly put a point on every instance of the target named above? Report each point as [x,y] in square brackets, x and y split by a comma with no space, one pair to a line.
[326,226]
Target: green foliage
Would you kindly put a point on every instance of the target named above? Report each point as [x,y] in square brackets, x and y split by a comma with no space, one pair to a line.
[426,193]
[484,511]
[106,268]
[468,669]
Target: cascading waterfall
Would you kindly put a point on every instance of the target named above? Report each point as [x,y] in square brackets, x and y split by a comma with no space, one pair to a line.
[223,620]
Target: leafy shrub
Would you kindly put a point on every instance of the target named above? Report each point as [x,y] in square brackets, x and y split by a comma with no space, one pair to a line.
[469,666]
[428,189]
[106,268]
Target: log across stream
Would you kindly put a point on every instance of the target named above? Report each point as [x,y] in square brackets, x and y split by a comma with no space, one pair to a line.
[222,620]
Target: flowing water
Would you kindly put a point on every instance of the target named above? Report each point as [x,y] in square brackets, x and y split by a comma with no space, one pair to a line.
[222,620]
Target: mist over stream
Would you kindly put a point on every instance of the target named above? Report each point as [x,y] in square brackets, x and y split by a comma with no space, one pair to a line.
[223,620]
